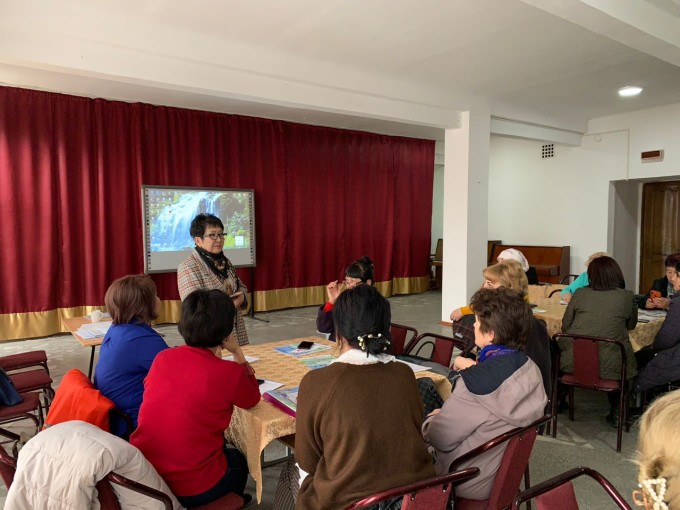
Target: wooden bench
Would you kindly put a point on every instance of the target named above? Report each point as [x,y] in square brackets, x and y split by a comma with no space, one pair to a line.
[551,262]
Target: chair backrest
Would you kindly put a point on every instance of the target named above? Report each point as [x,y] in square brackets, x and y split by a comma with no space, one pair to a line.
[76,398]
[586,353]
[520,443]
[439,250]
[8,464]
[109,501]
[399,334]
[429,494]
[557,493]
[442,347]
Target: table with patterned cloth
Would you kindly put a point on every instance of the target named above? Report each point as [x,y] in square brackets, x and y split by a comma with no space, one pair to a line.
[642,336]
[251,430]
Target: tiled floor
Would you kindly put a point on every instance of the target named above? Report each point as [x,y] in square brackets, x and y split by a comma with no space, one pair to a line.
[586,441]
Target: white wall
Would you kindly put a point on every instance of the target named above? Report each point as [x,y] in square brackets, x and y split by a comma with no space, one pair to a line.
[650,129]
[437,206]
[557,201]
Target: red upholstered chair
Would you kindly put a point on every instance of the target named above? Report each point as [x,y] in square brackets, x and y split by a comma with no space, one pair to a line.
[430,494]
[514,465]
[399,334]
[106,495]
[29,409]
[587,375]
[442,347]
[34,380]
[558,493]
[24,360]
[230,501]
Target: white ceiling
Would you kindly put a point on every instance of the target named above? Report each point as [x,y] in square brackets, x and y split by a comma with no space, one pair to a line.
[396,66]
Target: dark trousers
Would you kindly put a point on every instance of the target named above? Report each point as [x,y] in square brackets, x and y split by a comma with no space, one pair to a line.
[234,480]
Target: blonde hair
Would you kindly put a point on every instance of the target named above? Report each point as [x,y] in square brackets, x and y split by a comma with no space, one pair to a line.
[509,274]
[658,452]
[596,255]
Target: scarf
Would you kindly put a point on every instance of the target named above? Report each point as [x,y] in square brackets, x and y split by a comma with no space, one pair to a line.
[491,351]
[219,264]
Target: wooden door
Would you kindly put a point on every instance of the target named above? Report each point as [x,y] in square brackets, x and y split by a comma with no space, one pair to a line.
[660,234]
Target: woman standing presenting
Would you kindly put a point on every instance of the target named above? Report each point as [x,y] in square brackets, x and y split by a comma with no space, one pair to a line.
[208,268]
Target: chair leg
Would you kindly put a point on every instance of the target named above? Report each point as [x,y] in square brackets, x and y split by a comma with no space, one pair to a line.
[571,403]
[623,416]
[527,484]
[552,424]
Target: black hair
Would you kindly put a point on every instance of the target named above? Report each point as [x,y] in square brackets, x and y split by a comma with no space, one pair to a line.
[362,317]
[604,273]
[201,221]
[506,313]
[362,269]
[672,260]
[207,318]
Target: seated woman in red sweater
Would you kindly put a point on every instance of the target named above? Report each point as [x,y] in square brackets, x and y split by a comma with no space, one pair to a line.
[189,397]
[358,419]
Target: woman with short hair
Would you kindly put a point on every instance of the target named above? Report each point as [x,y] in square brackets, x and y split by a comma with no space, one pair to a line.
[503,390]
[129,347]
[189,398]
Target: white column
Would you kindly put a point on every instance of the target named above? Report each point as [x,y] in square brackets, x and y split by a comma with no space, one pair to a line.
[466,196]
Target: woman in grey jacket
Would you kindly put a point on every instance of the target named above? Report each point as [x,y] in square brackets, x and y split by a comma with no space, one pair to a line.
[502,391]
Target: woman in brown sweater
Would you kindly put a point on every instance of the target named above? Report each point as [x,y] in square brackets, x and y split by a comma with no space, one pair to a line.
[358,420]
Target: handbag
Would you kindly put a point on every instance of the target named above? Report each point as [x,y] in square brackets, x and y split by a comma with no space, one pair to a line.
[429,395]
[464,330]
[9,396]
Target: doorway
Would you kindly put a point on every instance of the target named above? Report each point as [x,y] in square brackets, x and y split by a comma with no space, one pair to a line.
[660,229]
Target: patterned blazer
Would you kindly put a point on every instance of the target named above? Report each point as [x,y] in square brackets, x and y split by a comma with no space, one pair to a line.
[193,274]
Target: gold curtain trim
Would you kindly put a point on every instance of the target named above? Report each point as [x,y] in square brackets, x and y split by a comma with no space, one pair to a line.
[18,326]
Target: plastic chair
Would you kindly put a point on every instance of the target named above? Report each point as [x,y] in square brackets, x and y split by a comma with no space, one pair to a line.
[587,375]
[106,496]
[514,465]
[557,493]
[399,334]
[430,494]
[442,347]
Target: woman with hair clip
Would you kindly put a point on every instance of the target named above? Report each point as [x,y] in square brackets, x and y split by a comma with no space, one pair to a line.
[350,413]
[658,455]
[359,271]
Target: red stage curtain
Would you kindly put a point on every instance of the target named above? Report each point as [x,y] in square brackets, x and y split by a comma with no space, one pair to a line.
[71,171]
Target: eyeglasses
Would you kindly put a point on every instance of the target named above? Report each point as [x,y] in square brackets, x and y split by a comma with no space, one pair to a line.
[215,237]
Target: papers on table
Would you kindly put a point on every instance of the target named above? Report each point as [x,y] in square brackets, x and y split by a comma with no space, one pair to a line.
[538,310]
[285,399]
[94,330]
[269,386]
[318,361]
[414,367]
[292,350]
[249,359]
[563,302]
[651,314]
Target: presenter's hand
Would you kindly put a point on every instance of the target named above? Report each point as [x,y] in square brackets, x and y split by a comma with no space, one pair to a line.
[238,299]
[456,315]
[333,290]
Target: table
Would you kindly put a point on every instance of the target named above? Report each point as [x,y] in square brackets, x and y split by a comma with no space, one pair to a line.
[642,336]
[251,430]
[72,324]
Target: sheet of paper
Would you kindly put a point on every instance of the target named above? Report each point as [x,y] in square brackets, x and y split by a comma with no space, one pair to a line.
[292,350]
[249,359]
[414,367]
[94,330]
[538,310]
[269,386]
[317,362]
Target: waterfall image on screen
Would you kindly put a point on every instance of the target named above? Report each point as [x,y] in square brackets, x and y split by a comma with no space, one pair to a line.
[168,213]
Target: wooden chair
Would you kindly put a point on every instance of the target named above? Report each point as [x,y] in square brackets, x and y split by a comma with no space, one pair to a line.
[430,494]
[442,347]
[586,374]
[569,278]
[399,334]
[436,265]
[557,493]
[514,465]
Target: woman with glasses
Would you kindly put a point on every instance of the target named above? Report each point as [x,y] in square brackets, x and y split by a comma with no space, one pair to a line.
[359,271]
[207,268]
